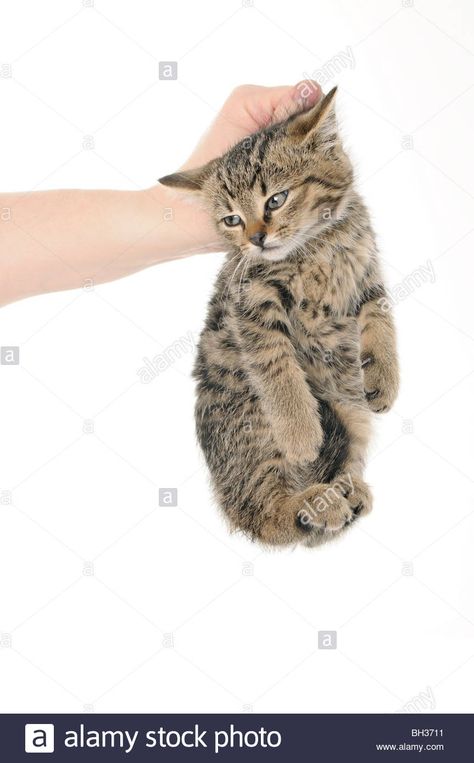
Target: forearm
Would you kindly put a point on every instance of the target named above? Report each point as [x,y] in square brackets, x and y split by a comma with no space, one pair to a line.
[56,240]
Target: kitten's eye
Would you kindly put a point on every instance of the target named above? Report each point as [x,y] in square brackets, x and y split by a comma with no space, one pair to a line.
[276,201]
[232,220]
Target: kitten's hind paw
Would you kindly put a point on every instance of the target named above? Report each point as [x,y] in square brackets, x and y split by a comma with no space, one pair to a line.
[330,508]
[359,497]
[324,510]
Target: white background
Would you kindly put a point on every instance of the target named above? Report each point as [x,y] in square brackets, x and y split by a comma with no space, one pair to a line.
[178,615]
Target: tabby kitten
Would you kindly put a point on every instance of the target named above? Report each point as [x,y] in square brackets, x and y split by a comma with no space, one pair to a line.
[297,349]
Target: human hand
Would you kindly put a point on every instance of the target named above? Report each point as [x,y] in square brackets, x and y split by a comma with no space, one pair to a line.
[250,108]
[60,239]
[247,109]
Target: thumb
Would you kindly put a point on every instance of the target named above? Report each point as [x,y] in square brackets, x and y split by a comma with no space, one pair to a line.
[300,97]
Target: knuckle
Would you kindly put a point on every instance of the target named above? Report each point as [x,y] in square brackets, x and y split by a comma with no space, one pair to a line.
[242,90]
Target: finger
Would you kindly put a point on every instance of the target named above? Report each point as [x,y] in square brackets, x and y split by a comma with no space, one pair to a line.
[269,105]
[300,97]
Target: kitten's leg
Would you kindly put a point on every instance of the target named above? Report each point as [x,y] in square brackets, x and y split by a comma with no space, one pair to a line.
[265,339]
[356,420]
[268,508]
[261,493]
[378,350]
[284,513]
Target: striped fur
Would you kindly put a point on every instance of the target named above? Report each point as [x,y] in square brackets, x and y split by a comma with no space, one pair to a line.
[296,350]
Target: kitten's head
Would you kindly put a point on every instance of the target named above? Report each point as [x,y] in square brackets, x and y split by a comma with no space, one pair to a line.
[275,189]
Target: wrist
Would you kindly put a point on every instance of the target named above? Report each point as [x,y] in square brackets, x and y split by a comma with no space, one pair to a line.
[178,228]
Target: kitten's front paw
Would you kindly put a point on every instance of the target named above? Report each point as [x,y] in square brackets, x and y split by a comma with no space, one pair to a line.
[301,444]
[380,383]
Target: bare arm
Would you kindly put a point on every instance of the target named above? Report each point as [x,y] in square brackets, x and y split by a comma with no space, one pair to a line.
[53,240]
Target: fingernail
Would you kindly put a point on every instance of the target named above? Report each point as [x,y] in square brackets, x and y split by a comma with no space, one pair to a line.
[306,93]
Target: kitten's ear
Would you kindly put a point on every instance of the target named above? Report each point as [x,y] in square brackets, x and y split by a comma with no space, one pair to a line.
[320,119]
[188,180]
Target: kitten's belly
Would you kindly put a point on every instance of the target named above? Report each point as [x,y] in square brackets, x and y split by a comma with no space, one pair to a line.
[330,355]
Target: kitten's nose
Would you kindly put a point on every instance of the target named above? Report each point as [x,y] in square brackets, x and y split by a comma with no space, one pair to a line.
[258,238]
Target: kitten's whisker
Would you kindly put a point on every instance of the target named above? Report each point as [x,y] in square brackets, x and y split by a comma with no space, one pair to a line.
[232,259]
[233,274]
[242,276]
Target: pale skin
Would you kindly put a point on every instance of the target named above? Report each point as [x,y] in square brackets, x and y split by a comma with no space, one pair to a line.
[67,239]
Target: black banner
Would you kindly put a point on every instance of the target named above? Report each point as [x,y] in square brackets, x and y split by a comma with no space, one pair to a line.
[230,738]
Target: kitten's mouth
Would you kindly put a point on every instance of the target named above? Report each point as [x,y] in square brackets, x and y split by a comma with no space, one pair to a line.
[271,252]
[262,250]
[275,252]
